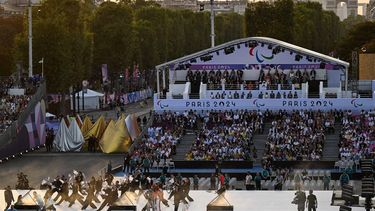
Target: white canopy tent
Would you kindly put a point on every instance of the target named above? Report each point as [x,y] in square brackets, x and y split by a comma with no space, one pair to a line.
[90,100]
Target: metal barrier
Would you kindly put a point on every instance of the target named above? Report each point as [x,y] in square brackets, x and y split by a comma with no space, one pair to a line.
[10,135]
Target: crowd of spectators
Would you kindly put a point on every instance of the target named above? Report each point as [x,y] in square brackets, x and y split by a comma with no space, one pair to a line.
[162,138]
[12,105]
[298,135]
[226,136]
[357,138]
[248,95]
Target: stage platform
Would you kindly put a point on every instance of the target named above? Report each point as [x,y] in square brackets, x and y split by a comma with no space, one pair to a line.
[241,201]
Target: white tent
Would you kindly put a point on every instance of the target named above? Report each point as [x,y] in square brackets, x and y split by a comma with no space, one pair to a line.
[90,100]
[68,140]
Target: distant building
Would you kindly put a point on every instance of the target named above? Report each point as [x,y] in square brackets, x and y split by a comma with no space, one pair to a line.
[15,7]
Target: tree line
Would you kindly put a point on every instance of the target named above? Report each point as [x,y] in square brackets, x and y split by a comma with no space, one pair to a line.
[76,37]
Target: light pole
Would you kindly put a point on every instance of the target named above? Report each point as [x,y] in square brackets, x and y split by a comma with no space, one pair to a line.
[212,24]
[30,39]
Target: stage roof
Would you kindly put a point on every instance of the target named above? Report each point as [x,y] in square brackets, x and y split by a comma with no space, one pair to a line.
[274,42]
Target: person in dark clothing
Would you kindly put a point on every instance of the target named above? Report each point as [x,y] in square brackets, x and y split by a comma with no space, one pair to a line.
[75,195]
[64,193]
[90,197]
[110,199]
[178,196]
[98,185]
[8,196]
[301,200]
[213,182]
[312,202]
[186,189]
[257,180]
[126,166]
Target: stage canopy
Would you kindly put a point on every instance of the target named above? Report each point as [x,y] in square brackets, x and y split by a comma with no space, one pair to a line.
[251,53]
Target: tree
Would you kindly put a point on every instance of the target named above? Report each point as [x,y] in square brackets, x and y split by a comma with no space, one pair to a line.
[361,35]
[59,37]
[113,35]
[10,27]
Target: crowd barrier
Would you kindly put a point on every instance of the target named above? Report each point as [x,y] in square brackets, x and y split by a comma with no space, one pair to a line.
[28,131]
[134,97]
[204,164]
[304,164]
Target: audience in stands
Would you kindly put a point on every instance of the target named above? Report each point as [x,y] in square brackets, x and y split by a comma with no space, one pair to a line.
[357,138]
[12,105]
[162,138]
[226,136]
[298,135]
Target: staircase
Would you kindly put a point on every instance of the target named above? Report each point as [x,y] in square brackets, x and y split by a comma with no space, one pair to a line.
[184,146]
[331,148]
[260,143]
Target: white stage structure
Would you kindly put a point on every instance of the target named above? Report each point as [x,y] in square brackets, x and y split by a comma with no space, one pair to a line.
[241,200]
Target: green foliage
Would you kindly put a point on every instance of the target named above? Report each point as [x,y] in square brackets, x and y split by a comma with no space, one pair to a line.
[304,23]
[60,36]
[270,20]
[361,35]
[10,27]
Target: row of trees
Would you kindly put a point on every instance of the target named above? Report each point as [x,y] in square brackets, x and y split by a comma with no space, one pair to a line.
[304,23]
[76,37]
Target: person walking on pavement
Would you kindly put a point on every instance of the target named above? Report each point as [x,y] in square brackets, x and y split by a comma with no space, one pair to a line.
[312,202]
[8,196]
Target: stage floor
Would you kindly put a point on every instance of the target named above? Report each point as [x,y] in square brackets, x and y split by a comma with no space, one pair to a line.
[241,200]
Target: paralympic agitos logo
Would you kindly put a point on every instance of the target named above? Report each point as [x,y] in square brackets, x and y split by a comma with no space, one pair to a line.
[356,104]
[259,56]
[161,105]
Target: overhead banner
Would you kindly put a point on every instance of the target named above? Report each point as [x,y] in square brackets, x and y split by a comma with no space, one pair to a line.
[249,66]
[354,104]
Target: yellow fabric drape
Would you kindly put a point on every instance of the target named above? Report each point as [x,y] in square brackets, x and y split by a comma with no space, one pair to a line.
[116,137]
[86,126]
[97,129]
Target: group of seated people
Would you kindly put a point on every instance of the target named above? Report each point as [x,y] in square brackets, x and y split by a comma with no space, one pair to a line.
[249,95]
[298,135]
[12,105]
[357,138]
[280,77]
[226,136]
[215,79]
[163,136]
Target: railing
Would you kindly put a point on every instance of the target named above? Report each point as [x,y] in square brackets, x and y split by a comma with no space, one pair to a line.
[10,135]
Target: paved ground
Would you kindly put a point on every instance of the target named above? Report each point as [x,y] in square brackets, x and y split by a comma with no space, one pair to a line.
[39,165]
